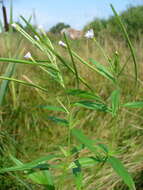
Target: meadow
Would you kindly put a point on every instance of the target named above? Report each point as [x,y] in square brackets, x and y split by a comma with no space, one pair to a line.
[71,116]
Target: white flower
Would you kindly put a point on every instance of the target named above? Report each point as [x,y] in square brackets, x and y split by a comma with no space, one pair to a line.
[28,55]
[41,28]
[36,38]
[14,25]
[89,34]
[61,43]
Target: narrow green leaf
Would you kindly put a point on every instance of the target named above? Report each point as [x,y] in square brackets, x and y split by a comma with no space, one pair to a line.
[93,105]
[28,166]
[122,172]
[41,166]
[72,59]
[36,63]
[43,177]
[134,104]
[52,108]
[99,68]
[103,71]
[116,64]
[83,94]
[4,85]
[115,98]
[58,120]
[85,162]
[24,83]
[128,40]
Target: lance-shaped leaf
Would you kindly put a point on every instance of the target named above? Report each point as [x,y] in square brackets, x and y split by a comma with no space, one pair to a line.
[23,83]
[134,104]
[93,105]
[83,94]
[43,177]
[28,166]
[103,71]
[72,59]
[4,85]
[52,108]
[85,162]
[122,172]
[58,120]
[115,98]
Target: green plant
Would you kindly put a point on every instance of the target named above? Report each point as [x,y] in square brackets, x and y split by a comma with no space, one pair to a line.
[132,19]
[58,27]
[69,157]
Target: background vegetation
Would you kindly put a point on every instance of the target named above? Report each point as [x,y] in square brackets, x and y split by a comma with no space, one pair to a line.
[132,19]
[58,27]
[27,130]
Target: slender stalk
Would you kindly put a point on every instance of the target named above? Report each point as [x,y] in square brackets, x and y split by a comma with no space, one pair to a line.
[128,41]
[24,83]
[72,59]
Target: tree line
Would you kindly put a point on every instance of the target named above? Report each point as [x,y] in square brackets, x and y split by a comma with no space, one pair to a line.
[132,19]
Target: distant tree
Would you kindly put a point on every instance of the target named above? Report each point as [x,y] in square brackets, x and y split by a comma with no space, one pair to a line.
[58,27]
[132,18]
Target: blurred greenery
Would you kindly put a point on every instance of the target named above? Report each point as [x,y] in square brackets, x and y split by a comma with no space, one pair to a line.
[58,27]
[132,19]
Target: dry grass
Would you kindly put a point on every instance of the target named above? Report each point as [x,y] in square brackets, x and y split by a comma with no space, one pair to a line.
[34,135]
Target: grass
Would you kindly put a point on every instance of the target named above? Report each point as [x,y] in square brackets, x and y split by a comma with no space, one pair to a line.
[31,124]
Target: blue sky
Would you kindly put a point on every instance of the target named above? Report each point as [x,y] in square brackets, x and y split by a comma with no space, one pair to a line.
[74,12]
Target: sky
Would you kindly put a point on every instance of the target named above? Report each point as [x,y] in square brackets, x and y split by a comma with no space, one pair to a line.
[77,13]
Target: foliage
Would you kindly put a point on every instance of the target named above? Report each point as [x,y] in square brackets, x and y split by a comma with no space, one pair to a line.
[132,19]
[97,25]
[64,103]
[58,27]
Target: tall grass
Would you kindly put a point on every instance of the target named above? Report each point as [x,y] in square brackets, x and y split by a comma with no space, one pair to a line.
[79,119]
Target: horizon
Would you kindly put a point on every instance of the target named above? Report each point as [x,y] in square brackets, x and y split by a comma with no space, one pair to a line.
[77,15]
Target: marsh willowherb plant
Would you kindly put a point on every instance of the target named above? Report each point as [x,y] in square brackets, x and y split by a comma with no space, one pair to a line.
[50,170]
